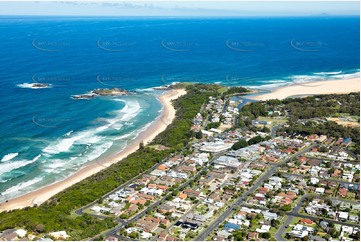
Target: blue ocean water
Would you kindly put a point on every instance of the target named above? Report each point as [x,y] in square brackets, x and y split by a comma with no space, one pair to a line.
[45,135]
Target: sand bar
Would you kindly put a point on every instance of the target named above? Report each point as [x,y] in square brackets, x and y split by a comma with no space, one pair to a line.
[312,88]
[159,125]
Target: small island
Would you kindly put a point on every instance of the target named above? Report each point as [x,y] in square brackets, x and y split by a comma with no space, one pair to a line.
[102,92]
[40,85]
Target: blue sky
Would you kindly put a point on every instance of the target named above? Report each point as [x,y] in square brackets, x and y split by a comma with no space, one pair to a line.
[178,8]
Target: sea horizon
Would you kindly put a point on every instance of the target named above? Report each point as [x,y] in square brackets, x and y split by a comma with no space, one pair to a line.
[47,136]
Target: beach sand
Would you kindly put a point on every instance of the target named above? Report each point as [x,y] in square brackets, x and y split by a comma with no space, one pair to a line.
[312,88]
[160,124]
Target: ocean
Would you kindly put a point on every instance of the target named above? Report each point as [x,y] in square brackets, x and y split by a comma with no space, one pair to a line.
[45,135]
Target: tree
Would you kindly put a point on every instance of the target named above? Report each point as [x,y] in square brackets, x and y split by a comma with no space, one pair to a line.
[141,145]
[255,140]
[240,144]
[275,223]
[265,129]
[133,235]
[199,135]
[286,207]
[323,149]
[40,228]
[266,235]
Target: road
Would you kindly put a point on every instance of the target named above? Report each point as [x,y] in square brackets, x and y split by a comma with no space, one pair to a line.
[116,229]
[80,211]
[295,213]
[274,130]
[341,182]
[203,236]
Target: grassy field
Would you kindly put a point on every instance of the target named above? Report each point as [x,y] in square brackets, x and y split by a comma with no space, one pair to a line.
[272,121]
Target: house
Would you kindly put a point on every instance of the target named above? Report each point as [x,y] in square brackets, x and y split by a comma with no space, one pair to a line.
[158,173]
[59,235]
[342,192]
[264,229]
[263,190]
[353,218]
[164,208]
[111,238]
[301,231]
[148,224]
[188,169]
[252,235]
[192,193]
[182,195]
[163,168]
[306,221]
[9,235]
[343,216]
[320,190]
[269,216]
[218,238]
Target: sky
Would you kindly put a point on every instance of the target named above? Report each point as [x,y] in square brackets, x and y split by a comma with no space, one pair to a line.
[180,8]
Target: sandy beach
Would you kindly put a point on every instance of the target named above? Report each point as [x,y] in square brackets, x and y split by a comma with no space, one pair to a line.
[312,88]
[41,195]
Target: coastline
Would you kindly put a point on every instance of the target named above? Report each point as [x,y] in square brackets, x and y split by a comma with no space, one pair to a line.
[159,125]
[312,88]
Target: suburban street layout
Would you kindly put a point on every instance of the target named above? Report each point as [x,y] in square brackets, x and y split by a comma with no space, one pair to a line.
[240,184]
[180,121]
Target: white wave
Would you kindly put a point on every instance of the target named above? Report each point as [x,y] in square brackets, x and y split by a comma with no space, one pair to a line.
[31,86]
[118,100]
[125,135]
[60,165]
[130,110]
[9,156]
[268,86]
[62,146]
[347,76]
[328,73]
[277,81]
[22,185]
[151,89]
[305,78]
[69,133]
[55,165]
[65,144]
[9,166]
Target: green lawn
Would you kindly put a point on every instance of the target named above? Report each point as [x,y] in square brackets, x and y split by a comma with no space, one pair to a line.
[202,209]
[275,120]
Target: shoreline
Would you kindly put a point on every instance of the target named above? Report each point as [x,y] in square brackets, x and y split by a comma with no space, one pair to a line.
[157,126]
[342,86]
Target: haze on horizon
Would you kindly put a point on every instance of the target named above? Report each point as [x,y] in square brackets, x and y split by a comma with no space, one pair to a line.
[177,8]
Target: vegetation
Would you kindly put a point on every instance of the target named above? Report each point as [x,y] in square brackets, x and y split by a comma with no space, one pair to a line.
[178,132]
[55,214]
[240,144]
[322,106]
[328,128]
[235,90]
